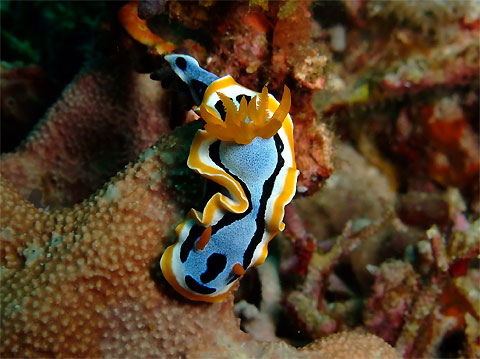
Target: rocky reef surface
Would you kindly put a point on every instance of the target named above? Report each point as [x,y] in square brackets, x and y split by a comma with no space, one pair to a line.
[382,241]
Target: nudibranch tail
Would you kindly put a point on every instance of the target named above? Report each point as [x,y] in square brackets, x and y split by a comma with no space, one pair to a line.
[247,150]
[166,264]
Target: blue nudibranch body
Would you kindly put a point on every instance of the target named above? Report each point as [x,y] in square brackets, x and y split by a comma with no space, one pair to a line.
[247,150]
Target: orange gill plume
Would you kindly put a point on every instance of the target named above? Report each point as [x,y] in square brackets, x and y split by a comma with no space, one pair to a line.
[249,121]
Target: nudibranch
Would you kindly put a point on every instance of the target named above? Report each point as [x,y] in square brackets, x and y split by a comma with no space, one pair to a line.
[246,150]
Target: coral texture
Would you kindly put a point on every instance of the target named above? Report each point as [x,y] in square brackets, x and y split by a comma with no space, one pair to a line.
[104,119]
[77,282]
[84,282]
[352,345]
[25,93]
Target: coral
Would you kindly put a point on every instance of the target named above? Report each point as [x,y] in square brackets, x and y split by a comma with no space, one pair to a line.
[450,154]
[26,92]
[242,50]
[138,29]
[70,275]
[191,14]
[389,245]
[294,51]
[437,308]
[426,14]
[84,281]
[354,181]
[260,322]
[308,305]
[417,305]
[80,287]
[427,274]
[423,209]
[304,243]
[388,59]
[350,344]
[251,49]
[246,55]
[104,119]
[472,336]
[293,45]
[149,8]
[394,292]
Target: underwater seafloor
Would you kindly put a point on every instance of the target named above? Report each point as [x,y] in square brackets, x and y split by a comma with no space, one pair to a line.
[382,238]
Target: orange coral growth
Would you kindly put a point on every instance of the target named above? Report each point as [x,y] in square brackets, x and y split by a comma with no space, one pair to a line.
[249,121]
[84,281]
[257,21]
[444,129]
[138,29]
[454,304]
